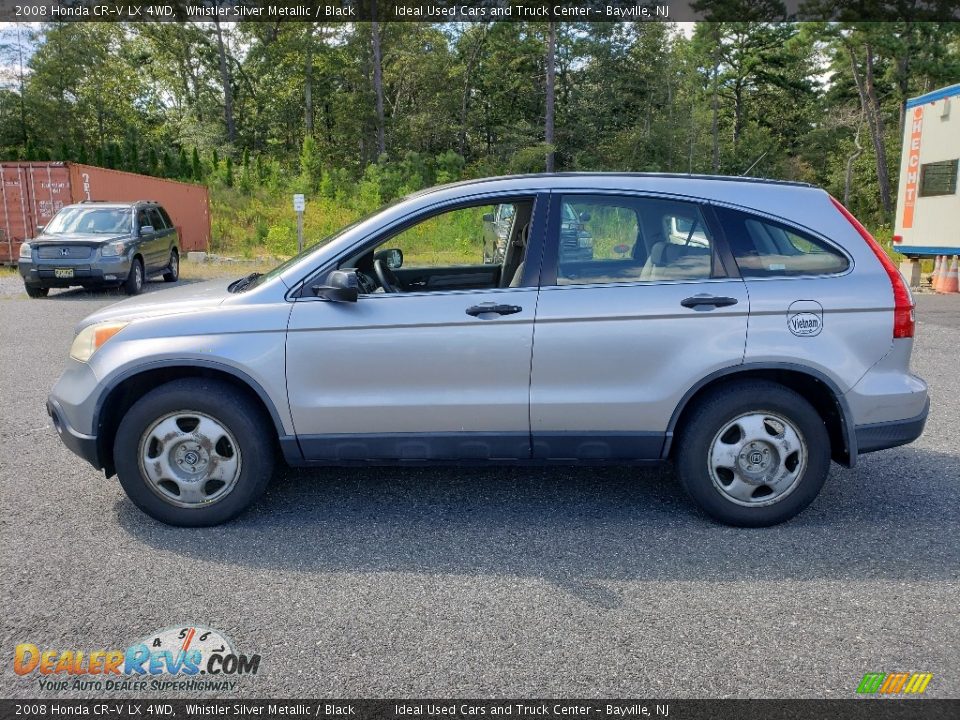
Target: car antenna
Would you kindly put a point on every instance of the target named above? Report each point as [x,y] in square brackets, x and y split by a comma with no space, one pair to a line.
[747,171]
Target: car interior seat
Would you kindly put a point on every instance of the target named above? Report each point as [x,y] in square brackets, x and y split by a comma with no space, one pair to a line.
[513,256]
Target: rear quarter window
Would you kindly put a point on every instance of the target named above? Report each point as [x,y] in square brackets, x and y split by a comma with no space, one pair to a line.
[765,248]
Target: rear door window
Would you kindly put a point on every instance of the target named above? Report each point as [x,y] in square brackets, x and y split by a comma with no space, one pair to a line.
[764,248]
[612,239]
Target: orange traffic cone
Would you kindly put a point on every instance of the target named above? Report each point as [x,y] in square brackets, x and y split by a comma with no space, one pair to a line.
[938,281]
[950,282]
[935,275]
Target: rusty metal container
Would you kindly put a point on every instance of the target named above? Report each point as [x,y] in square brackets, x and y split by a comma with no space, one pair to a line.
[31,193]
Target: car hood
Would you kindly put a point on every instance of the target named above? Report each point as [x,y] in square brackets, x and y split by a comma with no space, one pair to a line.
[187,298]
[85,238]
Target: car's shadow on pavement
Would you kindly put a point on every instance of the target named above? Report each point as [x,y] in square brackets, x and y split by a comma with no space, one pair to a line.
[894,517]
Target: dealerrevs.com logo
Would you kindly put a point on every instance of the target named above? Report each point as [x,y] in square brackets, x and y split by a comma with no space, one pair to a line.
[187,658]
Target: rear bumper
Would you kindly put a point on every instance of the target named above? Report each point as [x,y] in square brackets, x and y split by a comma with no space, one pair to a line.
[83,445]
[880,436]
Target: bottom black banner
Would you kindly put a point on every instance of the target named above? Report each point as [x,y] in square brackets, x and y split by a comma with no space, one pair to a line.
[856,709]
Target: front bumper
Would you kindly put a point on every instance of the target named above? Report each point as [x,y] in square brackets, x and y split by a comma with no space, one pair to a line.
[83,445]
[96,271]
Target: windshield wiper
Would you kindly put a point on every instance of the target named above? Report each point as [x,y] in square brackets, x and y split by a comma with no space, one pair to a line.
[242,283]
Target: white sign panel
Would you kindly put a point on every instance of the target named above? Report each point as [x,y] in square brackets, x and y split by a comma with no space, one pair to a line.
[299,203]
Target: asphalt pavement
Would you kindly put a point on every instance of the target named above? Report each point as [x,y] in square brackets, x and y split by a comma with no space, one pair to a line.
[566,582]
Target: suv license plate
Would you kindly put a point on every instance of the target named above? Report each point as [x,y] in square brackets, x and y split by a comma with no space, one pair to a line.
[63,272]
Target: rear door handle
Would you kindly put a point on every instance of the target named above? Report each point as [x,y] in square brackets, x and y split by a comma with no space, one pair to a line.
[708,300]
[484,308]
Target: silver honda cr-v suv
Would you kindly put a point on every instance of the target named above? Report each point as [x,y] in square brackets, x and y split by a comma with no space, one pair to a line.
[748,331]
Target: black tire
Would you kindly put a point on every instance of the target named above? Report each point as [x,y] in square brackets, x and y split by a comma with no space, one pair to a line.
[726,404]
[235,411]
[133,285]
[173,269]
[36,291]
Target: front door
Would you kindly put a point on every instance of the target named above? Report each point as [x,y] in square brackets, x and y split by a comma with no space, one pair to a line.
[148,239]
[624,332]
[432,361]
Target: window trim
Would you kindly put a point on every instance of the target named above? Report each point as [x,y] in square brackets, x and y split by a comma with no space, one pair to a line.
[550,265]
[535,242]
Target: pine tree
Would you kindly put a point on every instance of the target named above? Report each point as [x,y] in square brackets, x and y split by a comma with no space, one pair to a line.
[133,157]
[183,165]
[196,169]
[169,164]
[228,178]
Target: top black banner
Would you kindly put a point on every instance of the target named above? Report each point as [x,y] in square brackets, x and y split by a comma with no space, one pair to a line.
[479,10]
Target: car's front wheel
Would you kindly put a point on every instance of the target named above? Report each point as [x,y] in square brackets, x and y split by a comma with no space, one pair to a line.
[753,453]
[173,269]
[134,282]
[193,453]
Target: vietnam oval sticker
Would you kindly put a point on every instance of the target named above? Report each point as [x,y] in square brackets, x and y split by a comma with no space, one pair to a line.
[805,318]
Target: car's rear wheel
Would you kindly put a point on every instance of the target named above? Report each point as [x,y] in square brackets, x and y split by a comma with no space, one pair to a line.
[134,282]
[36,291]
[192,452]
[173,269]
[753,453]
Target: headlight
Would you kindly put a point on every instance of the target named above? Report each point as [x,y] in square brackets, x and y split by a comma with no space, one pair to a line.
[89,340]
[113,249]
[25,251]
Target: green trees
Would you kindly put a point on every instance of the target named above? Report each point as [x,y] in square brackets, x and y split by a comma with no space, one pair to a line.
[357,109]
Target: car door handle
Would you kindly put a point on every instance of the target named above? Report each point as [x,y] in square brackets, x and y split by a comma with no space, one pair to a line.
[484,308]
[708,300]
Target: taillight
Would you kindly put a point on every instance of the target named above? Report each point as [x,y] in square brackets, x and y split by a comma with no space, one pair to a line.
[904,322]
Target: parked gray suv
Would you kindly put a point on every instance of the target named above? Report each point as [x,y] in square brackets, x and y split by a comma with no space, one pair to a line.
[748,331]
[101,244]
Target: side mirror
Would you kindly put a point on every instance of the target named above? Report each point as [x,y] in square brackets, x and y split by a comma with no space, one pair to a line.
[488,217]
[393,257]
[342,286]
[40,228]
[584,217]
[146,230]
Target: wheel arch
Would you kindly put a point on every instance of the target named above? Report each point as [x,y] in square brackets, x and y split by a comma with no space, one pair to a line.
[822,392]
[125,389]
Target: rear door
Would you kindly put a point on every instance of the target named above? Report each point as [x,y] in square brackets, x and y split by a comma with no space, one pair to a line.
[622,336]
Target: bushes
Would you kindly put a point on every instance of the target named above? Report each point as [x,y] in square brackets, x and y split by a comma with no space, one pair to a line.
[252,212]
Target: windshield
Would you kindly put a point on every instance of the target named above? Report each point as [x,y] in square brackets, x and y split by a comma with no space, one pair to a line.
[100,221]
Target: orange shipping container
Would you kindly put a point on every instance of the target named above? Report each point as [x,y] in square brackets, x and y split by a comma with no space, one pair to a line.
[31,193]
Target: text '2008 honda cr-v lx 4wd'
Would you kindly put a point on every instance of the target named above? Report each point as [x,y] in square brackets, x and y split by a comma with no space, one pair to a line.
[748,331]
